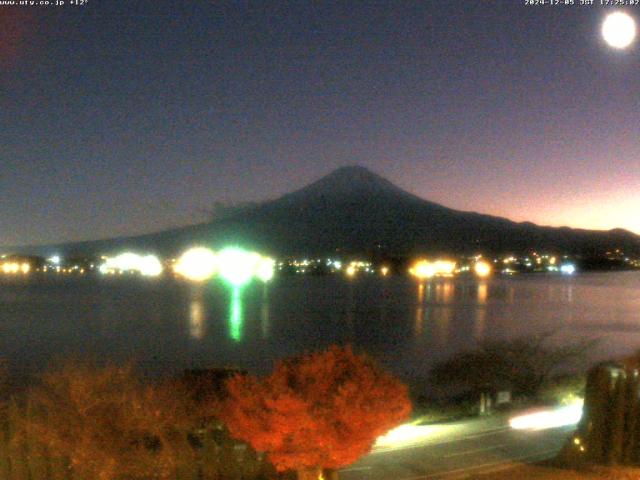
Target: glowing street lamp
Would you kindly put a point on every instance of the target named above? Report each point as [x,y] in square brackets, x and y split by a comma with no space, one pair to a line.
[197,264]
[482,269]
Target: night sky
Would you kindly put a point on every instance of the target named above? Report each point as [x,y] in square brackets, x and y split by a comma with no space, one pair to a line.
[125,117]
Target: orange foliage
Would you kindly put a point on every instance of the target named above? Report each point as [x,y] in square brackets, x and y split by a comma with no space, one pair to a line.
[109,425]
[317,410]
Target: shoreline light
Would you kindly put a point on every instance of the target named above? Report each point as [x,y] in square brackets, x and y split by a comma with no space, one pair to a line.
[424,269]
[197,264]
[145,265]
[237,266]
[150,266]
[482,269]
[265,269]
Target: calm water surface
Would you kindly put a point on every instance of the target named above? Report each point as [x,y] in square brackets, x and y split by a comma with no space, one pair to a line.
[167,326]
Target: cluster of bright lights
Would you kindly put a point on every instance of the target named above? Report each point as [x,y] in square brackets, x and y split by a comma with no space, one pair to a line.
[537,262]
[145,265]
[74,269]
[234,265]
[358,266]
[15,268]
[553,418]
[197,264]
[237,266]
[424,269]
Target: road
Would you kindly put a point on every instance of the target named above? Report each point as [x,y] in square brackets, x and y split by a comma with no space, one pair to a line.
[456,450]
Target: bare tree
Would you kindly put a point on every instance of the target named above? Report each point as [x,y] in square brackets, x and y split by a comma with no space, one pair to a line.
[109,425]
[523,363]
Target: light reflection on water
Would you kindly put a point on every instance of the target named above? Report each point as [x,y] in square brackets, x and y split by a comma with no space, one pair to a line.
[420,310]
[235,314]
[264,311]
[404,324]
[481,311]
[197,314]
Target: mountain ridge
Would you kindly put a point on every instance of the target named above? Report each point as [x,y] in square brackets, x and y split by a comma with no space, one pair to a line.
[355,211]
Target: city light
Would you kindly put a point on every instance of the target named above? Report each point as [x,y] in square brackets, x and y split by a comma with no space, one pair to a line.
[197,264]
[146,265]
[150,266]
[482,269]
[265,269]
[444,268]
[424,269]
[9,267]
[13,267]
[237,266]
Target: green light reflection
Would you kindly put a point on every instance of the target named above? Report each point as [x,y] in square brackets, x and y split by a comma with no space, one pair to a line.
[235,314]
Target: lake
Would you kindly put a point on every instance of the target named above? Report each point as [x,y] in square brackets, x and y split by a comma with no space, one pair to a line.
[167,326]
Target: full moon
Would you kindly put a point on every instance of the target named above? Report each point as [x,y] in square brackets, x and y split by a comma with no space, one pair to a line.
[619,30]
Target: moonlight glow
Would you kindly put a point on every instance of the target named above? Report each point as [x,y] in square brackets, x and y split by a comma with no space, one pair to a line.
[619,30]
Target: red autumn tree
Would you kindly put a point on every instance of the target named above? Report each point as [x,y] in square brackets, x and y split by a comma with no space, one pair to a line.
[317,411]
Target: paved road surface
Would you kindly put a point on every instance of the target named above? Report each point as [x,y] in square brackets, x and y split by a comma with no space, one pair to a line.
[456,450]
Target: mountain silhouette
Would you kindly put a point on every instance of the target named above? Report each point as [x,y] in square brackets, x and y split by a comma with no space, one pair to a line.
[355,211]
